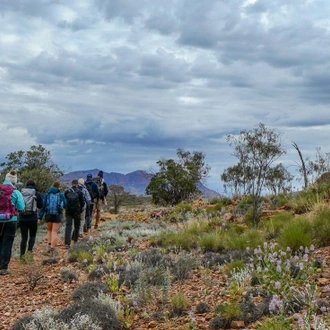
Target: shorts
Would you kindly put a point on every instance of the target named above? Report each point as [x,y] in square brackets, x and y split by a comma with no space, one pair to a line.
[56,218]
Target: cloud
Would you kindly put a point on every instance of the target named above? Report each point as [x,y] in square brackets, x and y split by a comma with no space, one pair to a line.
[122,84]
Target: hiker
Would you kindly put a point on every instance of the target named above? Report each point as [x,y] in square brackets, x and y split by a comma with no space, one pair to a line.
[103,189]
[28,218]
[53,204]
[75,205]
[93,190]
[87,200]
[11,201]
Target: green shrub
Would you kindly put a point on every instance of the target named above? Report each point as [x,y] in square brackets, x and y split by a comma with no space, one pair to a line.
[235,265]
[279,200]
[321,227]
[248,217]
[304,201]
[275,323]
[274,226]
[296,233]
[180,303]
[211,242]
[245,201]
[250,238]
[183,208]
[228,310]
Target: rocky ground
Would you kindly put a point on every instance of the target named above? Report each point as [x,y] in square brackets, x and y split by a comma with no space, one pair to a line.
[17,299]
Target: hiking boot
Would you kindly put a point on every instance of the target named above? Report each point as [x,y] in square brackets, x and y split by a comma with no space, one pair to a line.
[85,228]
[4,272]
[96,226]
[67,246]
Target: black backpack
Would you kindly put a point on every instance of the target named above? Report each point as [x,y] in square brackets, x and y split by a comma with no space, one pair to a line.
[90,189]
[73,202]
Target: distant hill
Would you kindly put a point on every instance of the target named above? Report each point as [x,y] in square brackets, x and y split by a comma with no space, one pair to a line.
[134,182]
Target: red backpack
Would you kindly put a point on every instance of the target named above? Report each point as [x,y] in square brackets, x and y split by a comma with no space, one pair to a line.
[7,209]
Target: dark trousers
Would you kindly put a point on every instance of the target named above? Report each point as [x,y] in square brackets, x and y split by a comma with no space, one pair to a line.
[88,216]
[7,235]
[68,235]
[28,231]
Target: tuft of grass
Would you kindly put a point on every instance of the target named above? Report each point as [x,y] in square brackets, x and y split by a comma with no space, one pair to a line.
[250,238]
[211,242]
[274,226]
[180,304]
[321,225]
[296,233]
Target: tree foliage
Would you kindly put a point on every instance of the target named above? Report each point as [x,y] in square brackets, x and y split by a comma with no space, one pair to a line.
[256,150]
[35,164]
[176,179]
[117,195]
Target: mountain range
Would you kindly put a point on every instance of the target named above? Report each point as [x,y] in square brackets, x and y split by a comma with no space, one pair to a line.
[134,182]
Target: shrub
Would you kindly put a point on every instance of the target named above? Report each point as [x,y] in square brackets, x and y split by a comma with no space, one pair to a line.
[183,265]
[211,242]
[296,233]
[33,274]
[98,272]
[89,290]
[321,226]
[68,274]
[202,307]
[235,265]
[101,314]
[129,274]
[180,303]
[250,238]
[304,201]
[274,226]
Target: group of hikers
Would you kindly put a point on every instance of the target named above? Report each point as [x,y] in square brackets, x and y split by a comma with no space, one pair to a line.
[81,202]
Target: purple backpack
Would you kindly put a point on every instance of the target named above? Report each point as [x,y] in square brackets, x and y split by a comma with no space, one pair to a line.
[7,209]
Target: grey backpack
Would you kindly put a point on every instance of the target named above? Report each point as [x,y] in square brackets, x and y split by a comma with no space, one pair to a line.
[30,200]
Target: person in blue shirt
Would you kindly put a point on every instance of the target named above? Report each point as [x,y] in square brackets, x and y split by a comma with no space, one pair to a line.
[53,221]
[8,227]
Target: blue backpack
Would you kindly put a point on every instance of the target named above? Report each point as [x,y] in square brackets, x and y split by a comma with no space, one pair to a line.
[54,203]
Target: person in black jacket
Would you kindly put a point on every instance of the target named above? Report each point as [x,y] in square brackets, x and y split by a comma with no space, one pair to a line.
[28,218]
[74,208]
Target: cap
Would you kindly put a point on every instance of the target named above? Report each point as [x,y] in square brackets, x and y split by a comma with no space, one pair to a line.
[89,175]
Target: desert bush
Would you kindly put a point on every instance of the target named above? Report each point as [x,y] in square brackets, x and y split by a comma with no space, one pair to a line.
[279,200]
[179,304]
[181,240]
[211,242]
[128,275]
[202,307]
[68,274]
[321,225]
[275,323]
[235,265]
[183,265]
[305,200]
[89,291]
[182,207]
[250,238]
[33,274]
[102,315]
[296,233]
[226,313]
[274,225]
[98,272]
[211,259]
[152,258]
[249,214]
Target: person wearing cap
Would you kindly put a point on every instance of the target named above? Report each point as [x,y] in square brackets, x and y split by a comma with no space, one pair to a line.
[8,227]
[94,192]
[88,200]
[103,188]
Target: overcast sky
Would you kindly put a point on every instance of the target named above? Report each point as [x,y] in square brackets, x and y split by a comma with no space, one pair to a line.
[119,84]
